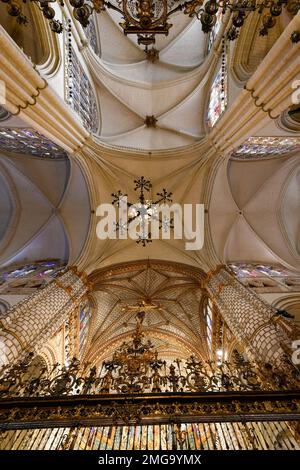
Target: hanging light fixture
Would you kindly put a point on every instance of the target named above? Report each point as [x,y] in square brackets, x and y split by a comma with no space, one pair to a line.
[144,210]
[147,18]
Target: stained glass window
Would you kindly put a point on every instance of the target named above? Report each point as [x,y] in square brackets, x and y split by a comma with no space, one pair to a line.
[79,92]
[67,342]
[208,322]
[216,28]
[218,98]
[43,269]
[84,319]
[262,147]
[242,270]
[91,35]
[30,142]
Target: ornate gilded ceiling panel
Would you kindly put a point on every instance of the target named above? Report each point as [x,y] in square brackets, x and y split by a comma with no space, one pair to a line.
[170,296]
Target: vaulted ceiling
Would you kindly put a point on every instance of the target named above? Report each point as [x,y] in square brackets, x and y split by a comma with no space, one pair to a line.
[252,207]
[130,87]
[183,174]
[254,211]
[172,297]
[45,207]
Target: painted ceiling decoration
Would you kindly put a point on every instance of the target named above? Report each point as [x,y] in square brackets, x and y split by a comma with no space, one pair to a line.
[169,293]
[264,147]
[30,142]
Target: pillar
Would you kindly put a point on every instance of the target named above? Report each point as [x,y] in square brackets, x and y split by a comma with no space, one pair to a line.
[30,323]
[253,322]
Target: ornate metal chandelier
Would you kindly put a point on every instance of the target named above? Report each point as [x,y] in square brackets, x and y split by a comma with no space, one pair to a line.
[143,211]
[147,18]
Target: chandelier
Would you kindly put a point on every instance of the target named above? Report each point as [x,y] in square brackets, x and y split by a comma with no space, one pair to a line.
[143,211]
[147,18]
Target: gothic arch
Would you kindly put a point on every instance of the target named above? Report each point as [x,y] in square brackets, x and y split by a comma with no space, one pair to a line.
[35,39]
[290,303]
[175,314]
[4,307]
[251,48]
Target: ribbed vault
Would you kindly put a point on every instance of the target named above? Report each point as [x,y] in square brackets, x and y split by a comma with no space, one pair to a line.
[172,297]
[254,211]
[181,173]
[130,87]
[46,209]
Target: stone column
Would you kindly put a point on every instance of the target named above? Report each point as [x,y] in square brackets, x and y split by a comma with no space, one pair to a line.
[30,323]
[253,322]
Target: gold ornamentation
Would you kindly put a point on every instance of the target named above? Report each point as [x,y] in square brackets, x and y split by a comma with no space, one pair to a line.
[135,369]
[157,408]
[150,121]
[67,289]
[152,55]
[100,275]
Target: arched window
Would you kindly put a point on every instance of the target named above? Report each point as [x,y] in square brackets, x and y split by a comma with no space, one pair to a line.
[218,97]
[40,270]
[30,142]
[242,270]
[84,319]
[256,148]
[78,89]
[216,28]
[208,317]
[91,34]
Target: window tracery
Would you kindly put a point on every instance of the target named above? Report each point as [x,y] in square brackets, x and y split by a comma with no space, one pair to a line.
[79,92]
[30,142]
[255,148]
[242,270]
[44,269]
[218,95]
[215,30]
[208,308]
[91,34]
[84,323]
